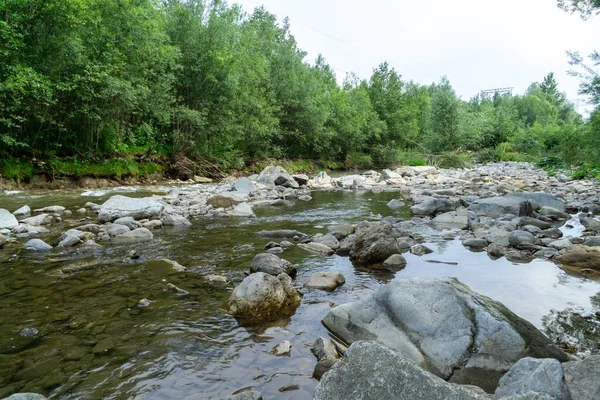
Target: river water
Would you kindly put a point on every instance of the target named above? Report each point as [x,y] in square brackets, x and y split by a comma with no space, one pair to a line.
[93,342]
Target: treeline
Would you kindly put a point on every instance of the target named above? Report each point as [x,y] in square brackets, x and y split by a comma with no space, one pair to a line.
[87,79]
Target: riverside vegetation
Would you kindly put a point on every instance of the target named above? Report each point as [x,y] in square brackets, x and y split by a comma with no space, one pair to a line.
[111,89]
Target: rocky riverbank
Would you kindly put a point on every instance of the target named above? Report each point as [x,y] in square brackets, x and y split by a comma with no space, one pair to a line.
[439,325]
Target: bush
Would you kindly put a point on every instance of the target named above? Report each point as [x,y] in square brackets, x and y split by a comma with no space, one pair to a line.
[356,160]
[16,170]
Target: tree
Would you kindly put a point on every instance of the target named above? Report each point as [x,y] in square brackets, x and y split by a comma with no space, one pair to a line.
[586,8]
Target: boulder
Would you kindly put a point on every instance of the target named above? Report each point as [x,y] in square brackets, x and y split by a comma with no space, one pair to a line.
[396,377]
[262,297]
[328,281]
[328,240]
[532,375]
[302,179]
[116,230]
[242,210]
[496,207]
[25,210]
[72,237]
[475,243]
[593,241]
[282,234]
[524,221]
[520,239]
[432,207]
[395,262]
[341,231]
[542,199]
[324,348]
[452,220]
[136,235]
[396,204]
[374,243]
[272,265]
[495,250]
[580,256]
[317,248]
[7,220]
[591,224]
[476,341]
[173,219]
[277,176]
[37,245]
[554,212]
[420,250]
[244,185]
[322,180]
[346,245]
[38,220]
[581,378]
[218,201]
[129,222]
[138,208]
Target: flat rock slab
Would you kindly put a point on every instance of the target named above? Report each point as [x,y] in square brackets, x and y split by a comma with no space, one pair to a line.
[122,206]
[328,281]
[475,342]
[372,371]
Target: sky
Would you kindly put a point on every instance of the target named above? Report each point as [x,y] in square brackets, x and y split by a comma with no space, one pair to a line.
[477,44]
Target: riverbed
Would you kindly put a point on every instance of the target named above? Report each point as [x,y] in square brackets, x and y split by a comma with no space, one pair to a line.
[93,341]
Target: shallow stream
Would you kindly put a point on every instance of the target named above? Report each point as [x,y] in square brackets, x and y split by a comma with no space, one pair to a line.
[93,342]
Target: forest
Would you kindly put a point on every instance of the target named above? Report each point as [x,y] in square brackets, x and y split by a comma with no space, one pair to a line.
[132,87]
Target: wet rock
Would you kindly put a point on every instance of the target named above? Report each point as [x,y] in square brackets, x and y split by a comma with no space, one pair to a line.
[328,281]
[263,297]
[432,207]
[218,201]
[341,231]
[136,235]
[476,244]
[174,265]
[519,256]
[592,241]
[541,199]
[420,250]
[581,378]
[26,396]
[242,210]
[519,238]
[71,238]
[328,240]
[554,212]
[560,244]
[302,179]
[38,220]
[395,262]
[322,180]
[81,211]
[532,375]
[535,222]
[317,248]
[116,230]
[244,185]
[282,234]
[282,349]
[7,220]
[346,245]
[173,219]
[496,207]
[37,245]
[374,243]
[452,220]
[554,233]
[143,303]
[324,348]
[271,245]
[323,366]
[174,289]
[153,224]
[104,346]
[275,250]
[272,265]
[476,342]
[51,209]
[133,255]
[28,332]
[138,208]
[277,176]
[305,197]
[216,279]
[25,210]
[397,378]
[129,222]
[396,204]
[580,256]
[546,253]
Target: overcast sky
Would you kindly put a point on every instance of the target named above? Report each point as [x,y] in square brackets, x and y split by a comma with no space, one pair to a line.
[478,44]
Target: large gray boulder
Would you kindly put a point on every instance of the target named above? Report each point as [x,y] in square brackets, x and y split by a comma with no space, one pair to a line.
[7,220]
[121,206]
[262,297]
[580,256]
[444,327]
[272,265]
[497,207]
[432,207]
[327,281]
[136,235]
[277,176]
[541,199]
[581,378]
[374,243]
[37,245]
[533,375]
[244,186]
[519,239]
[452,220]
[369,370]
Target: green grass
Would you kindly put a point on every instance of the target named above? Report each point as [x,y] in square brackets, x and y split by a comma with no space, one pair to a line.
[16,170]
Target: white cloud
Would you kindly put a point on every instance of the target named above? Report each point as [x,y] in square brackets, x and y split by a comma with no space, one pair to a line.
[478,44]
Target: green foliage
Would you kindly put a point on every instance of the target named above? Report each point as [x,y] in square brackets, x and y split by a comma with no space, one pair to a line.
[16,170]
[356,160]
